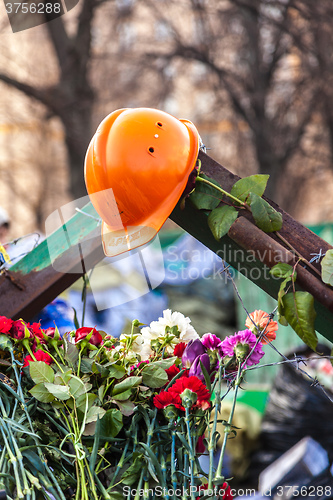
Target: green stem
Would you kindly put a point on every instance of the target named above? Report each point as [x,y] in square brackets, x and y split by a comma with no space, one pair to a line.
[227,430]
[189,440]
[218,188]
[212,446]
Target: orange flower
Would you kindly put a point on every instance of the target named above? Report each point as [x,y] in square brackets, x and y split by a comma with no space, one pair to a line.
[261,319]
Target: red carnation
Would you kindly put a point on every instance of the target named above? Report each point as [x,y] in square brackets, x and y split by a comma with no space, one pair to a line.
[195,385]
[224,489]
[35,329]
[172,371]
[179,349]
[82,333]
[165,398]
[40,356]
[200,447]
[5,324]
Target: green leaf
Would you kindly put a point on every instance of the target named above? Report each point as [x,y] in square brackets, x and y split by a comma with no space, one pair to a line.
[327,268]
[71,352]
[126,407]
[81,402]
[76,387]
[5,343]
[41,393]
[111,424]
[115,371]
[164,363]
[253,184]
[266,218]
[221,219]
[154,376]
[86,365]
[94,413]
[59,391]
[205,197]
[131,475]
[128,383]
[41,372]
[122,396]
[299,311]
[281,270]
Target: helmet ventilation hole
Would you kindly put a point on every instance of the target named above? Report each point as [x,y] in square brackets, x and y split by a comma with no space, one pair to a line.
[159,124]
[151,149]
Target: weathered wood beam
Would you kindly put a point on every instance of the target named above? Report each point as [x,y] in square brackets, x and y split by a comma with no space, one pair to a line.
[253,252]
[33,282]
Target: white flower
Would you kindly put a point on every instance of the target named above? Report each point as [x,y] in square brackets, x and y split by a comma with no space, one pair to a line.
[156,330]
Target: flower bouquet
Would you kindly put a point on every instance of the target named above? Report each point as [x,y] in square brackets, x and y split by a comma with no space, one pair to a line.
[89,416]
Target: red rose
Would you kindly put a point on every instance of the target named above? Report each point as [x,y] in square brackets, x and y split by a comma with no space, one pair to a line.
[82,333]
[5,324]
[40,356]
[17,330]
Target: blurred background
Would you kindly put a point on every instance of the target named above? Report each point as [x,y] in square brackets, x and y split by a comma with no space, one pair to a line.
[254,76]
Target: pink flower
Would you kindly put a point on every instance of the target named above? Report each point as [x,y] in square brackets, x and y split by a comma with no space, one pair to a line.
[241,344]
[82,333]
[5,324]
[211,341]
[40,356]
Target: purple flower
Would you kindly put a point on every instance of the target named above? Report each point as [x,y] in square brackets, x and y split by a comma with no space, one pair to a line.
[196,367]
[241,344]
[193,349]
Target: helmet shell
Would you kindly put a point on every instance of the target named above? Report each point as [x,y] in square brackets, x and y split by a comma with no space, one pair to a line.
[136,168]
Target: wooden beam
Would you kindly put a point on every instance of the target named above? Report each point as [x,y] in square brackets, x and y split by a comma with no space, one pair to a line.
[252,252]
[34,281]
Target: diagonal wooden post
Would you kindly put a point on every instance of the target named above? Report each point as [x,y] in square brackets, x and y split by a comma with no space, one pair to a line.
[34,281]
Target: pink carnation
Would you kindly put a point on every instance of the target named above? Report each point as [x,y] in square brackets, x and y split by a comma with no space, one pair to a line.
[245,338]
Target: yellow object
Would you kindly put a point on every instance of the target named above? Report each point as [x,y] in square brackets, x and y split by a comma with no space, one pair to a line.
[4,257]
[136,168]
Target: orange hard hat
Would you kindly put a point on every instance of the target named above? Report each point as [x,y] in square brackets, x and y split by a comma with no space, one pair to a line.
[136,168]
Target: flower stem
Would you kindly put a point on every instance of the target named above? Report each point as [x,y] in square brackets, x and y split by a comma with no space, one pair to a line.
[227,430]
[218,188]
[189,440]
[211,446]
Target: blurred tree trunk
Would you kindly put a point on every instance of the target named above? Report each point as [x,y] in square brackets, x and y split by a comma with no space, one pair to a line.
[72,98]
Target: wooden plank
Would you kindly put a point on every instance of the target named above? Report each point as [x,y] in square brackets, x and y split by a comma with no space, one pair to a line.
[33,282]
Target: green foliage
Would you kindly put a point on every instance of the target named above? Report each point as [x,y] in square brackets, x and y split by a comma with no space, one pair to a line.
[253,184]
[221,219]
[299,311]
[295,308]
[205,197]
[265,216]
[327,268]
